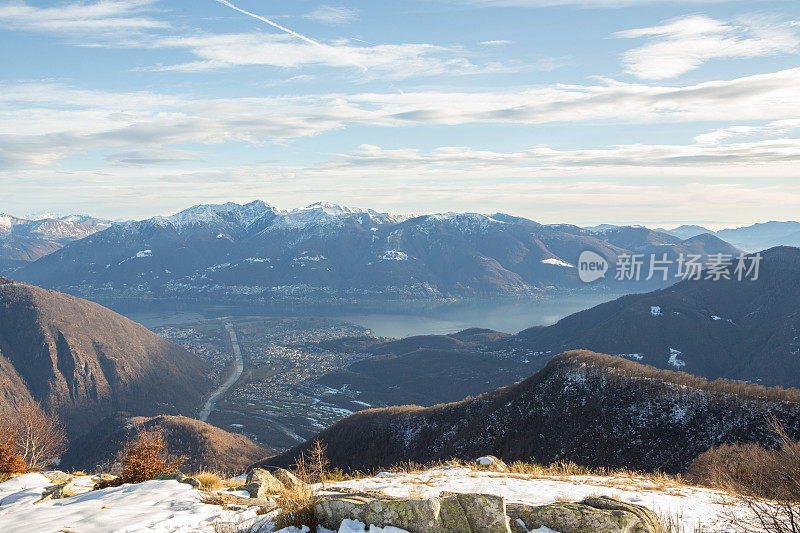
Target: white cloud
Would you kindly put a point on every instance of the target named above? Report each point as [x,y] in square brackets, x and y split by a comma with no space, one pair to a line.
[635,155]
[392,61]
[497,42]
[51,121]
[103,17]
[333,15]
[586,3]
[681,45]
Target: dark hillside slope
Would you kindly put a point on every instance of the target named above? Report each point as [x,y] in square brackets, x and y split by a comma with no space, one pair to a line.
[596,410]
[430,369]
[204,446]
[85,362]
[747,330]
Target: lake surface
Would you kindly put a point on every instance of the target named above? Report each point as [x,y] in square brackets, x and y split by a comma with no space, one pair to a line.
[392,319]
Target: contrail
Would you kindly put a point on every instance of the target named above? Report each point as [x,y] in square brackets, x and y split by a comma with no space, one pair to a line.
[287,30]
[276,25]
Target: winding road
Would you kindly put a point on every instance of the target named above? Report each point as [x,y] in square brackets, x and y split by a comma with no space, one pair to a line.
[235,375]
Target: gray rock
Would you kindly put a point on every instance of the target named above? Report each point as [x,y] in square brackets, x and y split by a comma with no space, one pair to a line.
[289,480]
[180,478]
[492,463]
[485,512]
[449,513]
[56,492]
[651,523]
[57,476]
[593,515]
[260,483]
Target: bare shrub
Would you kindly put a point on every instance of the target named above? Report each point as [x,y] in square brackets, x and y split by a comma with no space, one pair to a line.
[297,503]
[297,508]
[144,457]
[764,481]
[40,438]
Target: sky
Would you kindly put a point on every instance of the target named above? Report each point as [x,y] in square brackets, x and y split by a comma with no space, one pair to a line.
[656,112]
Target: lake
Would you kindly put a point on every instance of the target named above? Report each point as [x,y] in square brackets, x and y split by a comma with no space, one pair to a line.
[389,319]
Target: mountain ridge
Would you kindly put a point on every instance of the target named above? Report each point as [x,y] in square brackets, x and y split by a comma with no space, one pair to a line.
[325,251]
[621,413]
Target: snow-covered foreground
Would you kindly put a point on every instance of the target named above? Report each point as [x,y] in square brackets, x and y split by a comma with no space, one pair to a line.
[169,506]
[695,506]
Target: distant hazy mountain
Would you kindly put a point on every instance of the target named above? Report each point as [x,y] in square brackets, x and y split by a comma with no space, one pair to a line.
[686,231]
[762,236]
[255,251]
[593,409]
[23,240]
[85,362]
[750,238]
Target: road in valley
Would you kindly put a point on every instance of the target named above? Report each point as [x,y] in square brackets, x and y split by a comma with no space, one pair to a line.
[232,378]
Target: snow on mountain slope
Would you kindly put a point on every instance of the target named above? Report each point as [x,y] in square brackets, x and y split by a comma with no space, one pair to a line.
[445,255]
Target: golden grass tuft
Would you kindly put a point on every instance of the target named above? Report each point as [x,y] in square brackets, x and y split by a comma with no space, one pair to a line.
[209,480]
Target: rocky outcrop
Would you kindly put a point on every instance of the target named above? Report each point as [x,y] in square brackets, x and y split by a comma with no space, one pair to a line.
[589,516]
[486,513]
[260,482]
[449,513]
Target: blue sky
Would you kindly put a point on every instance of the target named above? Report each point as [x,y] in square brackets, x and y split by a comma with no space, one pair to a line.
[657,112]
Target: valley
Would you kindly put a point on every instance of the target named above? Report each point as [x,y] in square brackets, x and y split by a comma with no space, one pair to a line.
[270,367]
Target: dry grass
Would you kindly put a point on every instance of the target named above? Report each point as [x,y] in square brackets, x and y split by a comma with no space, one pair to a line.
[297,508]
[209,480]
[249,525]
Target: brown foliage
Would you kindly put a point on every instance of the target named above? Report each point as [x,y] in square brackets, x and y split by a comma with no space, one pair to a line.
[765,481]
[11,461]
[144,457]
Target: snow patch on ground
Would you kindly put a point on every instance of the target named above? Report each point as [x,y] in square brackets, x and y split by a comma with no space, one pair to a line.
[144,253]
[394,255]
[557,262]
[674,358]
[655,310]
[172,507]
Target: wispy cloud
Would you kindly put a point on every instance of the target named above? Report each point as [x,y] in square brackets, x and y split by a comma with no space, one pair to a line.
[333,15]
[153,157]
[103,17]
[680,45]
[497,42]
[52,121]
[586,3]
[393,61]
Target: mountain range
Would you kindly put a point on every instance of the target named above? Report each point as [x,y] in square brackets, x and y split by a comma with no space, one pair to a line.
[749,238]
[595,410]
[23,240]
[257,252]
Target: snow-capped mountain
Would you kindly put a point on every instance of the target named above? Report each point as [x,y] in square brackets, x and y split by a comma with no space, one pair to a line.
[331,251]
[24,240]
